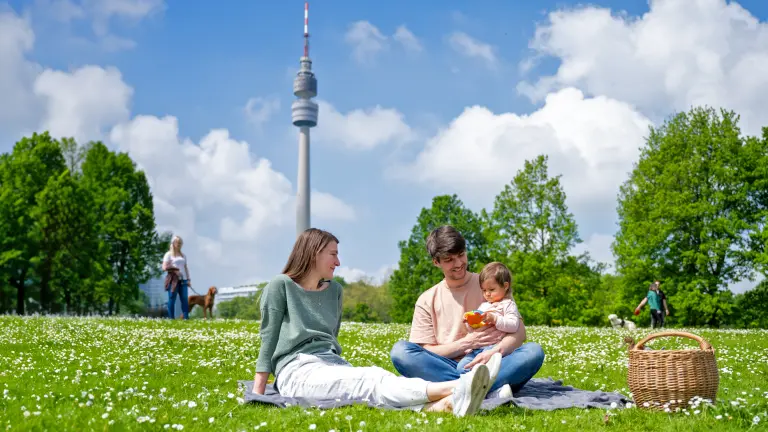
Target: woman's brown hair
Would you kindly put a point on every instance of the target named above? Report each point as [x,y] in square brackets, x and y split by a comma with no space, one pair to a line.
[302,260]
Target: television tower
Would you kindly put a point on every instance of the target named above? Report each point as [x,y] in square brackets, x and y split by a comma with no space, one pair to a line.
[304,115]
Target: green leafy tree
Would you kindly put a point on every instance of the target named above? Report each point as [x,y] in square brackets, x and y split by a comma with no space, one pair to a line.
[365,302]
[685,216]
[755,169]
[750,305]
[25,173]
[125,212]
[416,272]
[532,231]
[68,245]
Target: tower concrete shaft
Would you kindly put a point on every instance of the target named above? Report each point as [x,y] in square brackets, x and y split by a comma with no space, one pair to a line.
[304,115]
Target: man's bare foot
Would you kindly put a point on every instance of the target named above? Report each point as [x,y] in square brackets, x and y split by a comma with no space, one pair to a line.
[443,405]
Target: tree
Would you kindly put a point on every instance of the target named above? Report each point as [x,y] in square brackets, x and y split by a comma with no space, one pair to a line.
[755,169]
[416,272]
[532,231]
[752,312]
[25,173]
[125,212]
[530,215]
[68,246]
[684,216]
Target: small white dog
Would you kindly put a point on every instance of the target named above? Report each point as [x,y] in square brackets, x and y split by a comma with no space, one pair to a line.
[617,322]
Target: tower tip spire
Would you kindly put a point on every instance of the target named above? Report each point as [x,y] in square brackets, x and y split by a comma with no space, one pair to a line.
[306,29]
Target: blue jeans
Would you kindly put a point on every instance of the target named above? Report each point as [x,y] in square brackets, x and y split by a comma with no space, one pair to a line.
[462,366]
[181,291]
[517,367]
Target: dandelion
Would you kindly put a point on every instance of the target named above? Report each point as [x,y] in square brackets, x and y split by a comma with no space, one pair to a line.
[210,420]
[312,426]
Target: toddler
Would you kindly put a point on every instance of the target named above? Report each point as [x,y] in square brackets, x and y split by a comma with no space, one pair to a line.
[499,309]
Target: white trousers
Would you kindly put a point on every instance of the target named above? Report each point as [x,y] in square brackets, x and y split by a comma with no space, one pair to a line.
[311,377]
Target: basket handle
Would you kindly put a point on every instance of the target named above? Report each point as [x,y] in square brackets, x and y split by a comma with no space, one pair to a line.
[704,345]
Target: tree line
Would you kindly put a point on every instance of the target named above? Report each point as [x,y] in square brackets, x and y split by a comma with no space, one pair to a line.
[77,229]
[78,234]
[693,214]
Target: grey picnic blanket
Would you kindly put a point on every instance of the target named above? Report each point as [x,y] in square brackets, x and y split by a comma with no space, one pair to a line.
[537,394]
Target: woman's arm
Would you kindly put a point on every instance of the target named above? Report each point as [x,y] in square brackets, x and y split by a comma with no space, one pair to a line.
[339,311]
[642,303]
[272,313]
[186,271]
[260,382]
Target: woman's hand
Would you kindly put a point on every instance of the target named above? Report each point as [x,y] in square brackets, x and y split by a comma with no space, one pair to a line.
[260,382]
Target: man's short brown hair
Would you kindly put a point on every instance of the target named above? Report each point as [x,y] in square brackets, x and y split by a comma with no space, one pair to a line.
[445,240]
[498,272]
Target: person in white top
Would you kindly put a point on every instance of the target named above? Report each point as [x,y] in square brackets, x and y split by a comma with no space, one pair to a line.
[499,308]
[175,262]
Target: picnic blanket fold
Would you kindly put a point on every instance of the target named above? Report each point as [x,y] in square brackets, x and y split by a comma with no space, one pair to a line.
[538,394]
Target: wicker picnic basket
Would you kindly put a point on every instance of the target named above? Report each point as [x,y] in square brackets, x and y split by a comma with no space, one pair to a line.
[660,379]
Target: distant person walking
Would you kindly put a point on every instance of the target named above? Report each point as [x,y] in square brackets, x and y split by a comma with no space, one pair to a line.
[654,301]
[663,298]
[177,280]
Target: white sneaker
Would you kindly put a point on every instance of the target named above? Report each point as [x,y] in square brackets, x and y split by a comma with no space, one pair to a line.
[470,392]
[503,392]
[494,364]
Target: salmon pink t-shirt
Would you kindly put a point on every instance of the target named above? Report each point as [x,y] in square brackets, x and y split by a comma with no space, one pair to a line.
[439,315]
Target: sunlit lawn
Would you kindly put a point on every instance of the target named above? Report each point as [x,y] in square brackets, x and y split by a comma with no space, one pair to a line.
[78,374]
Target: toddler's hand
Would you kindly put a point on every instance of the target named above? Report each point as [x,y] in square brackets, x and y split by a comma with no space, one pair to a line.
[489,318]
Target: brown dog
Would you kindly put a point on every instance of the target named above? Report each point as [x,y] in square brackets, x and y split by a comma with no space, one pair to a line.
[206,301]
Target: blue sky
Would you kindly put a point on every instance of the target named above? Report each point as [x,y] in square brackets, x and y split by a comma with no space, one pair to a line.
[465,93]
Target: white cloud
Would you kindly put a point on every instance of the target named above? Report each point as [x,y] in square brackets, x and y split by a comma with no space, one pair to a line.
[407,39]
[377,277]
[327,206]
[472,48]
[101,14]
[83,103]
[366,41]
[361,129]
[18,106]
[260,110]
[678,54]
[592,142]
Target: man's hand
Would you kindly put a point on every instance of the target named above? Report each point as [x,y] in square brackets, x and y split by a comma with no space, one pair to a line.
[482,358]
[667,312]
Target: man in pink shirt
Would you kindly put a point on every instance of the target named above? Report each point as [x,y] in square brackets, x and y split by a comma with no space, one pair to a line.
[439,337]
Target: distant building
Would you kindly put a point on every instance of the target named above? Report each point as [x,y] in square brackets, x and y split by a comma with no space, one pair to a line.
[155,291]
[157,297]
[228,293]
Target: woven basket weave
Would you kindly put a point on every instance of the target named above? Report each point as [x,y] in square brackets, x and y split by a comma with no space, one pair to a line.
[660,379]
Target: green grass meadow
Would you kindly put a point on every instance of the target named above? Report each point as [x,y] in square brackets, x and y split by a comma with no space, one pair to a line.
[103,374]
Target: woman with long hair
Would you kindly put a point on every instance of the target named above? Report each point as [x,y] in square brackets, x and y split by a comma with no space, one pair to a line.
[300,322]
[177,280]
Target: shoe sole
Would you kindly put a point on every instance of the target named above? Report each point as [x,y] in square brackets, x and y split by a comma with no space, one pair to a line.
[478,389]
